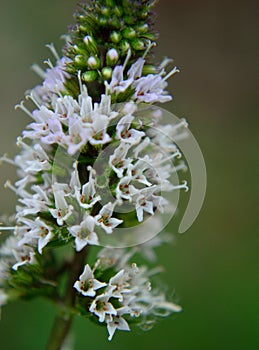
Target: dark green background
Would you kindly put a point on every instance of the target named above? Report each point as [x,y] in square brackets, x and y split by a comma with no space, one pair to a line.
[211,268]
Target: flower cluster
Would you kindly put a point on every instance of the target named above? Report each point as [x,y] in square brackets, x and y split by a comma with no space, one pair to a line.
[92,149]
[127,294]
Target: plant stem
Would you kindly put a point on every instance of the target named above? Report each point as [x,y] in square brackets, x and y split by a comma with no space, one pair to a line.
[64,317]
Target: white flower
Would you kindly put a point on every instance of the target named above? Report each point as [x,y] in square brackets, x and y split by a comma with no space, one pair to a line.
[101,307]
[118,285]
[125,134]
[23,255]
[150,89]
[78,136]
[87,198]
[117,322]
[118,84]
[142,204]
[55,77]
[118,160]
[99,135]
[124,190]
[105,220]
[135,71]
[136,170]
[39,230]
[63,211]
[84,233]
[87,284]
[55,133]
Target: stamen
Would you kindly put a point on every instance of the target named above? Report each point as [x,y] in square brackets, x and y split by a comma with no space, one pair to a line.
[9,185]
[38,70]
[20,143]
[24,109]
[49,63]
[183,185]
[173,71]
[53,50]
[8,228]
[176,154]
[126,59]
[6,160]
[150,45]
[33,99]
[164,63]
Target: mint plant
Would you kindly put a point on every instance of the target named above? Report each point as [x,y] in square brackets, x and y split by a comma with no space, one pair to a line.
[94,106]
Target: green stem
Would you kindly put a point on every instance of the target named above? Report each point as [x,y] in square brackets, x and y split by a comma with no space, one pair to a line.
[64,317]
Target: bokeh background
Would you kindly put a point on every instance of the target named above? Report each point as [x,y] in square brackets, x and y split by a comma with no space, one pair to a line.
[211,268]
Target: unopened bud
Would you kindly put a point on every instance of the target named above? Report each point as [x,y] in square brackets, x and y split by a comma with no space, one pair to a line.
[142,28]
[149,69]
[88,40]
[138,44]
[80,59]
[112,57]
[115,37]
[89,76]
[93,62]
[107,73]
[125,46]
[129,33]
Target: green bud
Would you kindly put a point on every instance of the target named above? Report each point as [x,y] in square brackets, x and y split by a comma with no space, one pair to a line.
[112,57]
[90,44]
[107,73]
[129,33]
[138,44]
[117,11]
[115,37]
[102,21]
[80,60]
[89,76]
[142,28]
[149,69]
[79,50]
[124,45]
[83,28]
[105,11]
[93,62]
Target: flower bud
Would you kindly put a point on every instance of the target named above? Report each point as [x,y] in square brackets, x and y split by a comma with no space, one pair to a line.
[115,37]
[112,57]
[93,62]
[138,44]
[89,76]
[117,11]
[129,33]
[125,46]
[90,44]
[142,28]
[107,73]
[78,50]
[80,60]
[149,69]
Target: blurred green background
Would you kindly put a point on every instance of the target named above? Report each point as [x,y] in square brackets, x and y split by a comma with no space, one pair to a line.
[211,268]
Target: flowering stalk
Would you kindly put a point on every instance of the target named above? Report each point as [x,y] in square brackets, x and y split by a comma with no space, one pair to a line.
[89,111]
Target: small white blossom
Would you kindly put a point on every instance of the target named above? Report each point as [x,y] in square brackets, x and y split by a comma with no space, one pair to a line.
[84,233]
[23,255]
[63,211]
[101,307]
[117,322]
[105,219]
[125,134]
[87,284]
